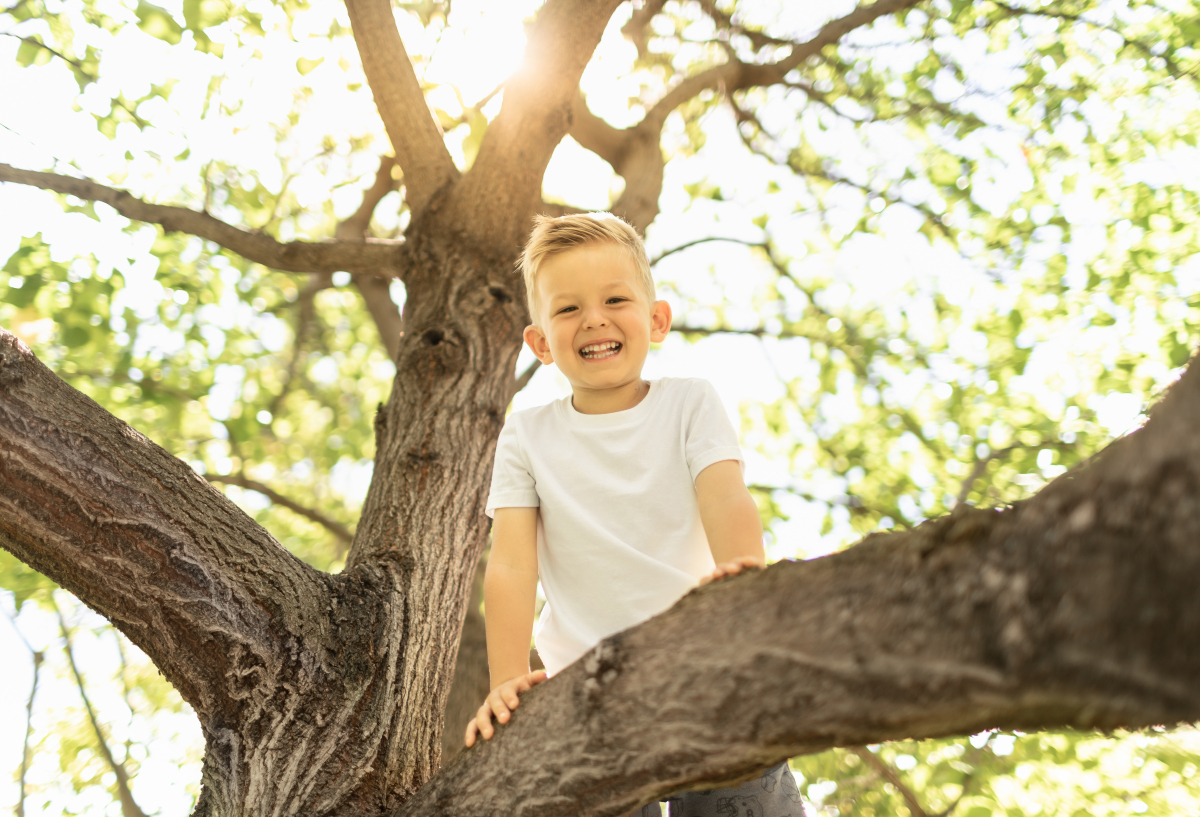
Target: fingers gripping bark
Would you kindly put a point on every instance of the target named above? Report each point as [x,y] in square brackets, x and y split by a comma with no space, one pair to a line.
[1067,610]
[142,539]
[292,256]
[416,136]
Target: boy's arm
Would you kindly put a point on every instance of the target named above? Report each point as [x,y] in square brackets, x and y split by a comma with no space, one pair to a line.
[509,592]
[730,519]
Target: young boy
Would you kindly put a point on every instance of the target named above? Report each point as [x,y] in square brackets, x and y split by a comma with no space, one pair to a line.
[623,496]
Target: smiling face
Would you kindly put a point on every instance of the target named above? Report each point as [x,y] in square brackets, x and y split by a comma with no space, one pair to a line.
[596,321]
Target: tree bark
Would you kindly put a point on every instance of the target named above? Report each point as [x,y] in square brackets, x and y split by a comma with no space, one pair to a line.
[1072,609]
[416,136]
[324,694]
[316,694]
[361,255]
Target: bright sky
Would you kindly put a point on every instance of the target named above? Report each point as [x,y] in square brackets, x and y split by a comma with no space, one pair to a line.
[40,130]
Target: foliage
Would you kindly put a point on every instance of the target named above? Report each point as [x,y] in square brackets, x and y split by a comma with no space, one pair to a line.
[962,238]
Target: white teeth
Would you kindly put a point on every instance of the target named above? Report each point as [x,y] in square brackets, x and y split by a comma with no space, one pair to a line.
[600,349]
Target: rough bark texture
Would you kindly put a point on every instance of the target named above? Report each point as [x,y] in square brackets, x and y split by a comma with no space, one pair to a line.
[323,694]
[1066,610]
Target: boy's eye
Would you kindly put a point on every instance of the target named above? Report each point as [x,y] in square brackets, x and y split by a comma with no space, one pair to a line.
[616,299]
[566,309]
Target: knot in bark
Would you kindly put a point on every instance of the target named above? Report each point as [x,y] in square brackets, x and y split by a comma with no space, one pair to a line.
[602,665]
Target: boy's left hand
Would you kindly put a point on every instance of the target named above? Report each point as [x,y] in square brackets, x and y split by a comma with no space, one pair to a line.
[732,568]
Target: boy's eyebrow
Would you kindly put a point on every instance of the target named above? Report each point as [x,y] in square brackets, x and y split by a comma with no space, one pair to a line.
[570,295]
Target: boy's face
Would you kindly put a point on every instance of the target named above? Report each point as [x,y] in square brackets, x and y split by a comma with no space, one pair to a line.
[595,319]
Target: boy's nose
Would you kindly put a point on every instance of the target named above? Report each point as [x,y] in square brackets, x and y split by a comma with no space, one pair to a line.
[594,317]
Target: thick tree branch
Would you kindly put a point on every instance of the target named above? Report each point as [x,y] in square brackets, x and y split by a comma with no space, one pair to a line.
[634,154]
[129,806]
[502,190]
[295,256]
[1064,611]
[141,538]
[415,135]
[336,528]
[637,28]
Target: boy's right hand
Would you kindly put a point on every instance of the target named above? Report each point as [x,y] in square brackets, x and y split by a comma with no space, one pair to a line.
[500,702]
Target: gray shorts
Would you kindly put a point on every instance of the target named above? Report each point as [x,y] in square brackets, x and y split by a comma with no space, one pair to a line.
[775,794]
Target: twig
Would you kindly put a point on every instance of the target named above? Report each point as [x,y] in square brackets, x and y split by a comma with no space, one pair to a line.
[890,775]
[305,314]
[522,380]
[1172,67]
[852,502]
[38,657]
[336,528]
[689,244]
[129,807]
[981,463]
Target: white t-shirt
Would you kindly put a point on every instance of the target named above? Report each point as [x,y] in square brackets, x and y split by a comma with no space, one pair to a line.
[619,532]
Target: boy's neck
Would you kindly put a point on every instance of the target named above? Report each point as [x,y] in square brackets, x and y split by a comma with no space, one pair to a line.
[607,401]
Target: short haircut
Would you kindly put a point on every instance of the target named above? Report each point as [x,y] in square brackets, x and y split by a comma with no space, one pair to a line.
[552,236]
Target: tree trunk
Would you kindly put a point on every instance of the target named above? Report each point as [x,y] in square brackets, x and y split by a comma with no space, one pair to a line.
[316,694]
[323,694]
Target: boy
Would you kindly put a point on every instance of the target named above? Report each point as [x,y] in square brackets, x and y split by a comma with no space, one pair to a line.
[621,497]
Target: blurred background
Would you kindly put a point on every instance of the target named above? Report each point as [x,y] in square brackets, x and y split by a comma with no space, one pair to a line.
[948,259]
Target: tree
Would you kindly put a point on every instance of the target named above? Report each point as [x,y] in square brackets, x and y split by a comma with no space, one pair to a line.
[323,693]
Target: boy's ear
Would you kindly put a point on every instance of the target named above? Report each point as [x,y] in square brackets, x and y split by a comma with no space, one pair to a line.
[535,339]
[660,321]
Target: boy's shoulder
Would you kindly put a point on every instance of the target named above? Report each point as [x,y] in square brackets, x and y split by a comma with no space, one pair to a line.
[668,388]
[685,389]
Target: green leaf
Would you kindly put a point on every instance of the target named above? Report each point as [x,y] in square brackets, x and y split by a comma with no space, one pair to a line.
[32,53]
[305,65]
[75,336]
[158,22]
[23,295]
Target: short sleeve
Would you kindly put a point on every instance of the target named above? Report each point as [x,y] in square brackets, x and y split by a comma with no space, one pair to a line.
[709,436]
[513,485]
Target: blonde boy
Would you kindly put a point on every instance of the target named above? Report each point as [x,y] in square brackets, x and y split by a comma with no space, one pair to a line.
[621,497]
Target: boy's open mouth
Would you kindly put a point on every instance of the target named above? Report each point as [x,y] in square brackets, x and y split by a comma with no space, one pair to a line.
[598,351]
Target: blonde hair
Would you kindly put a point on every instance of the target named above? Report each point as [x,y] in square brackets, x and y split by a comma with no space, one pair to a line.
[552,236]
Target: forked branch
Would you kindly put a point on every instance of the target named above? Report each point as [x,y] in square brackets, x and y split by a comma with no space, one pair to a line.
[503,188]
[634,152]
[293,256]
